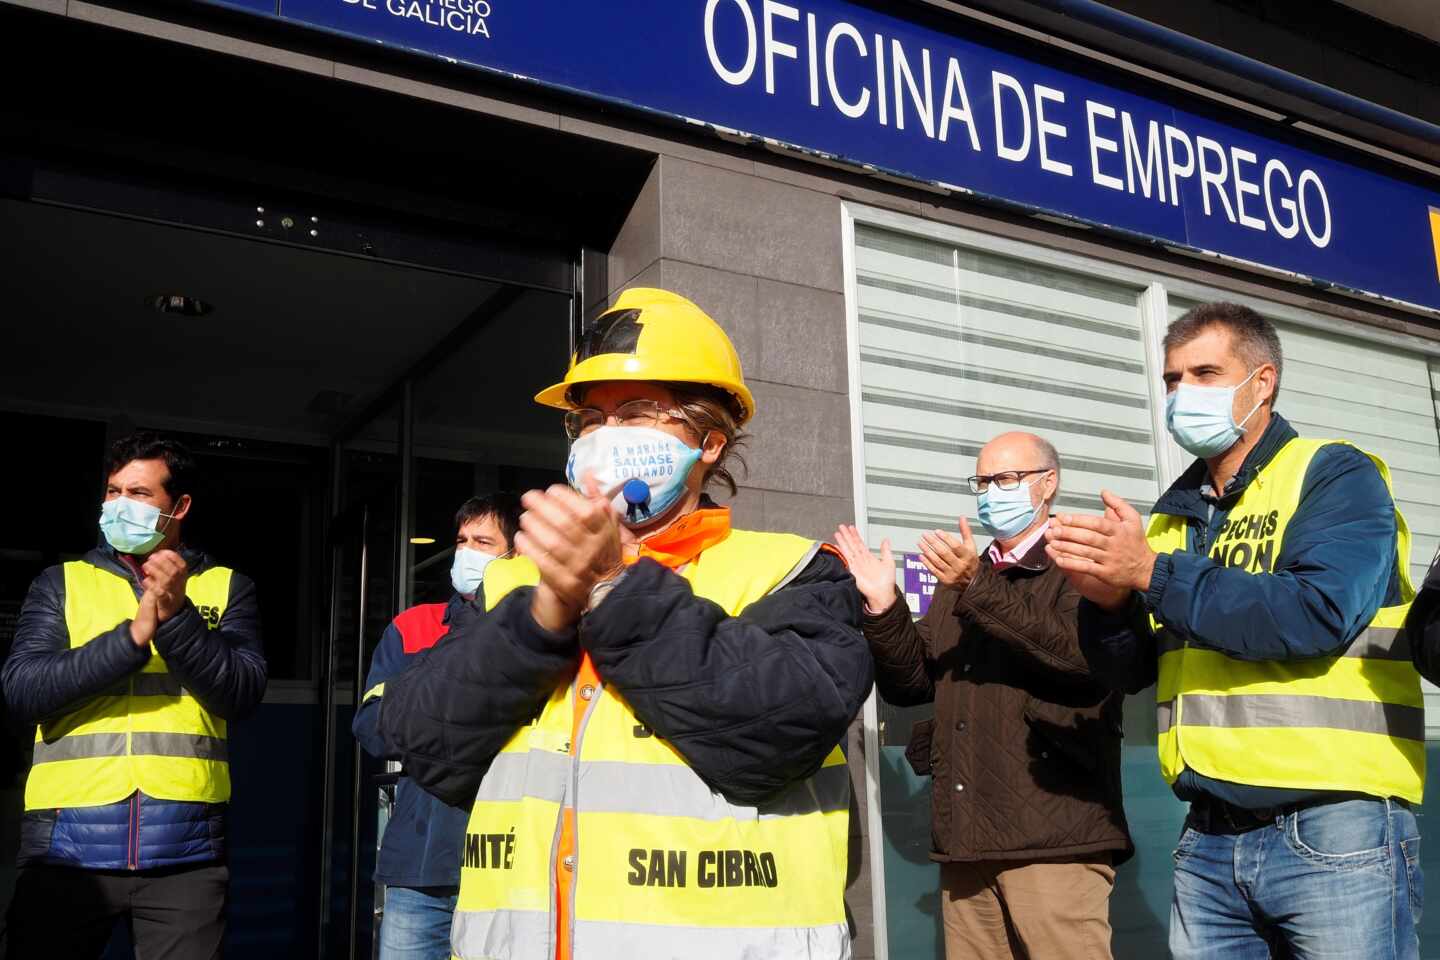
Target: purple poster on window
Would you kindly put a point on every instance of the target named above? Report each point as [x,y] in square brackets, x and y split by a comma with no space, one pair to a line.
[919,585]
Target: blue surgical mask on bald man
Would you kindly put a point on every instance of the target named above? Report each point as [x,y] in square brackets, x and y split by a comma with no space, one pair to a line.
[1006,513]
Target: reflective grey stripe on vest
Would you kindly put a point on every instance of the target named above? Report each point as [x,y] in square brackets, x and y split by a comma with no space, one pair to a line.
[799,568]
[1380,643]
[1373,643]
[538,774]
[645,941]
[668,790]
[511,934]
[1285,710]
[1164,715]
[178,745]
[89,745]
[146,685]
[156,685]
[80,746]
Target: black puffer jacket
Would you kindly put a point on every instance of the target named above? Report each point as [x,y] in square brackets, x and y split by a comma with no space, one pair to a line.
[753,703]
[220,662]
[1422,626]
[1024,750]
[224,668]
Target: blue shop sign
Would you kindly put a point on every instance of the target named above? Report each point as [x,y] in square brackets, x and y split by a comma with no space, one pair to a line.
[845,81]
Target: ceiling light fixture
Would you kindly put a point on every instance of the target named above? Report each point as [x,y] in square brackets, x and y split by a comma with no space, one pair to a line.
[422,541]
[180,304]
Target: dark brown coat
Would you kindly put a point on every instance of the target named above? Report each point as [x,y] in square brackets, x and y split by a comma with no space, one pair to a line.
[1025,747]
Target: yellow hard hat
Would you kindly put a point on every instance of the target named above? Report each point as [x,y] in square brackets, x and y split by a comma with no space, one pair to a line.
[654,335]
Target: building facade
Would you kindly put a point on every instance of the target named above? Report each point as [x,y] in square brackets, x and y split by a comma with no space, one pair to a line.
[338,244]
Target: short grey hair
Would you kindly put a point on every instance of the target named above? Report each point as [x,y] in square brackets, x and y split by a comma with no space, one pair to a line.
[1254,338]
[1049,460]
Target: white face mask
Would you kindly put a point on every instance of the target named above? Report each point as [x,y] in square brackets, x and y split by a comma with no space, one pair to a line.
[1202,419]
[467,570]
[640,469]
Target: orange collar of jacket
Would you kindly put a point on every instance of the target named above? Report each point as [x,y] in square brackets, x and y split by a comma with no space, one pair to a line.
[686,538]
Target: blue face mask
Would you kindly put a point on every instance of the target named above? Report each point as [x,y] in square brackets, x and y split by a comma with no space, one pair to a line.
[131,526]
[1006,513]
[467,571]
[642,470]
[1202,419]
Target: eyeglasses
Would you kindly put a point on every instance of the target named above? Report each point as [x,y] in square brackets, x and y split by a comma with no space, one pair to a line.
[631,413]
[1006,480]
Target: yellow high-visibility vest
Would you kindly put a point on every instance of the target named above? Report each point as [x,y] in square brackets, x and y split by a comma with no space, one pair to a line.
[664,866]
[1355,722]
[147,733]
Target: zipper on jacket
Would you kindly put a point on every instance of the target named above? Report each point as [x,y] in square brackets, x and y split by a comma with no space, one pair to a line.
[1202,532]
[575,806]
[135,830]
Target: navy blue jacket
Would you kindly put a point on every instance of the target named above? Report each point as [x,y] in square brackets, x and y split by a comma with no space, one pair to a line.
[424,838]
[44,677]
[1336,567]
[753,703]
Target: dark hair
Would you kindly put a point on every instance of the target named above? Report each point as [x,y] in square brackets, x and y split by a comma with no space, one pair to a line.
[1253,338]
[504,507]
[179,462]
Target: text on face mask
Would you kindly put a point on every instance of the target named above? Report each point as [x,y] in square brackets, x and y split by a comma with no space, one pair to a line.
[642,460]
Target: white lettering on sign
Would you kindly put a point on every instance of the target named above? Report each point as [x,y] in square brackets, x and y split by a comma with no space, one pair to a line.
[924,102]
[775,47]
[873,78]
[1243,187]
[1044,128]
[462,16]
[1174,135]
[856,109]
[1213,176]
[1289,229]
[733,77]
[1098,143]
[1003,81]
[1151,162]
[1321,239]
[954,109]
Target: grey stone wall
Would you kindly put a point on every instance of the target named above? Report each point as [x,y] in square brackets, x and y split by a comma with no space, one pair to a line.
[763,257]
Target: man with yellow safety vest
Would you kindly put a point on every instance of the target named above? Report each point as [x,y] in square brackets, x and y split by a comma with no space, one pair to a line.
[419,859]
[1265,602]
[646,719]
[131,661]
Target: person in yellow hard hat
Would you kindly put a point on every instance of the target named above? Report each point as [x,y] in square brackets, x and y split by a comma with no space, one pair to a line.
[645,709]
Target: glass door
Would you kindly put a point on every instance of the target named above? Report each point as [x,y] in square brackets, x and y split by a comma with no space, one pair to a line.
[365,580]
[459,422]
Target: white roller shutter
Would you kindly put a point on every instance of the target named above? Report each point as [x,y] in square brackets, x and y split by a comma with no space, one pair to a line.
[958,345]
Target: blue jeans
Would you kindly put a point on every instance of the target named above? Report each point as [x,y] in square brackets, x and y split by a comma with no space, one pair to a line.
[1340,881]
[416,925]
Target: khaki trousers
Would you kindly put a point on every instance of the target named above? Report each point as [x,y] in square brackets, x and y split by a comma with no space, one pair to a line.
[1026,909]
